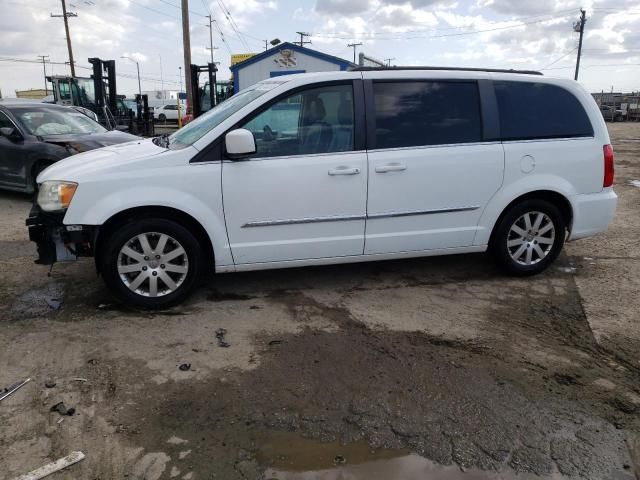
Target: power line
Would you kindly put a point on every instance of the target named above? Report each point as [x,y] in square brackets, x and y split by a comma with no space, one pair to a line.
[560,58]
[403,35]
[232,23]
[192,12]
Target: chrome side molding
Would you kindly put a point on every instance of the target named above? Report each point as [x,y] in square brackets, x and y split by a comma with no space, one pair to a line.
[410,213]
[296,221]
[349,218]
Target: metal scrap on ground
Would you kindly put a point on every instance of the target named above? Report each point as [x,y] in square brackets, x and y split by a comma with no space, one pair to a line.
[13,388]
[52,467]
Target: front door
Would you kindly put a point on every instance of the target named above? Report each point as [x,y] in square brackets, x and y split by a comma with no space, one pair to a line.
[303,194]
[12,162]
[430,171]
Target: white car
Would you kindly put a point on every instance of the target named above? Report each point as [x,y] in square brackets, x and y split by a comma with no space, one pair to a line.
[167,112]
[338,167]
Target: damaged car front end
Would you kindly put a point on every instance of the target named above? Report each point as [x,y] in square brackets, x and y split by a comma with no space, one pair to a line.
[57,242]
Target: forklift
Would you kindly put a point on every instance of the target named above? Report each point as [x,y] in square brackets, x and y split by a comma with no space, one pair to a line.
[99,95]
[205,97]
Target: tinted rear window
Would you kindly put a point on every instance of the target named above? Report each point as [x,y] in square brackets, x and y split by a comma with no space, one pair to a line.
[537,110]
[419,113]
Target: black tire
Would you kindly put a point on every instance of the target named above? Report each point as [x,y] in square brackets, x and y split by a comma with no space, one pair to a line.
[162,117]
[111,255]
[503,234]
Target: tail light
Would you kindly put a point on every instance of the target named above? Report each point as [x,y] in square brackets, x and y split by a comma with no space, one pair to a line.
[608,166]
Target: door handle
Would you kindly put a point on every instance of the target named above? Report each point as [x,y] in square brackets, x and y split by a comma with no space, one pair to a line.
[343,170]
[391,167]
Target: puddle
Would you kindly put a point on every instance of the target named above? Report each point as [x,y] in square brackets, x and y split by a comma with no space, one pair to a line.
[287,451]
[291,457]
[39,302]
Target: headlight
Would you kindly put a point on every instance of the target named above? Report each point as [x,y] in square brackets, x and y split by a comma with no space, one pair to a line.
[56,195]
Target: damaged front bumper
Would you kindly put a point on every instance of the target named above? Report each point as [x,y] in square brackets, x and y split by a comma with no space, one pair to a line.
[58,242]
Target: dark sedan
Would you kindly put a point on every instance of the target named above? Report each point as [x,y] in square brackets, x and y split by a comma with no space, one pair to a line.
[34,135]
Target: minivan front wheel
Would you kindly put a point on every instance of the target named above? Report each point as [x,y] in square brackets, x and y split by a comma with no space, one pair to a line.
[151,263]
[529,237]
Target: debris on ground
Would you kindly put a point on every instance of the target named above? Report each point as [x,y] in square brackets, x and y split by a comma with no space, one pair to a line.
[623,405]
[220,333]
[185,367]
[79,379]
[275,342]
[53,467]
[50,384]
[10,390]
[54,303]
[62,409]
[339,460]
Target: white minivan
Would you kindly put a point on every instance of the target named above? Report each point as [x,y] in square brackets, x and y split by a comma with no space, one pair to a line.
[322,168]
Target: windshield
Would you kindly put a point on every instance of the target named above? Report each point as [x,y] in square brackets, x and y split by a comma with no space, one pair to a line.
[55,121]
[202,125]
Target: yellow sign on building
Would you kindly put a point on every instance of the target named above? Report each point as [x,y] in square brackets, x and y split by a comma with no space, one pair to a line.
[240,57]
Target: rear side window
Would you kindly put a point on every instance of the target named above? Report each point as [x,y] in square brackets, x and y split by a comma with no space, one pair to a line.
[418,113]
[537,110]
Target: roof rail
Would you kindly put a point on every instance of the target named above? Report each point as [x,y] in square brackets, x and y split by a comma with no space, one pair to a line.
[461,69]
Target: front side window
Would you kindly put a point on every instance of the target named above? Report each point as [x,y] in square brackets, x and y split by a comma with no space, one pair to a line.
[539,110]
[202,125]
[318,120]
[418,113]
[5,122]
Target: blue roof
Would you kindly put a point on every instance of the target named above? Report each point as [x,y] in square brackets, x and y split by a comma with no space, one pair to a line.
[344,64]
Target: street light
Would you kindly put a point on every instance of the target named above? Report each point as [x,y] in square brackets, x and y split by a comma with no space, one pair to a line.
[138,67]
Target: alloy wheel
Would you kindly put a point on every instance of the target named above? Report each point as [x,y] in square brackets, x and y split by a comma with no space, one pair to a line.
[152,264]
[531,238]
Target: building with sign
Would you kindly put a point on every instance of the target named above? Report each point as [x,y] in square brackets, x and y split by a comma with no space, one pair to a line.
[284,59]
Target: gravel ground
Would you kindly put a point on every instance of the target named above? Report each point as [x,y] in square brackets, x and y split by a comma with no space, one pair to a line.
[428,368]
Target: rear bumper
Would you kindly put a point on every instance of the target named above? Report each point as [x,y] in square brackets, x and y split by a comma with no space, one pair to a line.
[57,242]
[592,213]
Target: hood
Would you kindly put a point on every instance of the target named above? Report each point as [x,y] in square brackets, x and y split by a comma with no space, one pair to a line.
[101,160]
[82,142]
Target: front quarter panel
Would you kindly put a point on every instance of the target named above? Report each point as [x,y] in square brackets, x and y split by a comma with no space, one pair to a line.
[168,181]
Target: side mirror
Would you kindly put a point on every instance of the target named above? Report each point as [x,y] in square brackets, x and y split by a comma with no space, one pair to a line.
[10,132]
[240,143]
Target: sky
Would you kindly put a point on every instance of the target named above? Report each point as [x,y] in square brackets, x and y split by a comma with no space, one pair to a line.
[522,34]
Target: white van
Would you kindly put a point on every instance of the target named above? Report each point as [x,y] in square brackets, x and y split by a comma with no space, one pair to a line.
[337,167]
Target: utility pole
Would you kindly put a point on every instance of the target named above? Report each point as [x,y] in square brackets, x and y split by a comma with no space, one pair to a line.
[388,61]
[138,67]
[186,47]
[579,27]
[212,48]
[354,45]
[65,15]
[161,77]
[44,71]
[302,42]
[266,45]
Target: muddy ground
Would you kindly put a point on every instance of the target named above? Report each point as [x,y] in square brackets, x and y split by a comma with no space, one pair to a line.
[437,368]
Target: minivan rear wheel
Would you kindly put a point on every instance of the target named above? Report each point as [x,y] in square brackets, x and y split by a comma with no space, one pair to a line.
[151,263]
[529,237]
